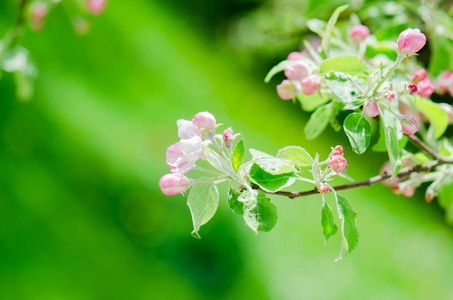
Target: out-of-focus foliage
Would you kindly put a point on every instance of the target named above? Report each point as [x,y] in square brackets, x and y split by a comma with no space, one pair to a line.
[81,213]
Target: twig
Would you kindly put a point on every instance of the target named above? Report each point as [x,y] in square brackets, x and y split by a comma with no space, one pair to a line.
[420,144]
[425,167]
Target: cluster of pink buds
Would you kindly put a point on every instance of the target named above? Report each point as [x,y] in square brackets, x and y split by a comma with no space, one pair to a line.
[359,33]
[421,84]
[38,14]
[300,78]
[337,162]
[182,156]
[444,83]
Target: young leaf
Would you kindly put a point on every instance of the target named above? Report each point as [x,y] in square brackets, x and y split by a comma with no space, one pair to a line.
[380,144]
[271,164]
[329,28]
[349,232]
[203,201]
[345,63]
[328,225]
[354,104]
[270,182]
[238,155]
[393,149]
[218,162]
[259,213]
[297,155]
[358,130]
[311,102]
[278,68]
[344,92]
[437,117]
[236,206]
[318,121]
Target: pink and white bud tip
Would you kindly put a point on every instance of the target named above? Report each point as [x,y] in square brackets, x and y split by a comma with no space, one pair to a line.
[286,90]
[296,71]
[324,189]
[371,108]
[311,84]
[419,75]
[359,33]
[173,184]
[425,88]
[295,56]
[410,41]
[204,120]
[410,126]
[337,163]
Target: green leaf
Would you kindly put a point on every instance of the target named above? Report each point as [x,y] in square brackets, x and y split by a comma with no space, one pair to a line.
[328,225]
[270,182]
[318,121]
[437,117]
[354,104]
[349,232]
[236,206]
[393,149]
[278,68]
[271,164]
[259,213]
[311,102]
[297,155]
[380,144]
[203,201]
[219,162]
[346,91]
[329,28]
[344,63]
[238,155]
[358,130]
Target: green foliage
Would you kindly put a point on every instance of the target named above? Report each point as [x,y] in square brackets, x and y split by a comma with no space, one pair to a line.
[318,121]
[437,117]
[238,155]
[330,27]
[203,201]
[236,206]
[278,68]
[298,156]
[358,130]
[351,65]
[271,164]
[270,182]
[260,214]
[349,232]
[329,227]
[311,102]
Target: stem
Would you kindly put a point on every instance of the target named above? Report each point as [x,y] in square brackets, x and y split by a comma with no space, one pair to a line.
[16,32]
[425,167]
[420,144]
[206,170]
[390,72]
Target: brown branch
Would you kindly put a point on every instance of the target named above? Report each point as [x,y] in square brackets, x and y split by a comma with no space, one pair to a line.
[420,144]
[405,172]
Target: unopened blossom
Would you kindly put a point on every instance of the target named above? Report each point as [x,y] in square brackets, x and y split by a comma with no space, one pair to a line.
[449,110]
[419,75]
[286,90]
[204,120]
[192,148]
[311,84]
[295,56]
[391,95]
[38,15]
[371,108]
[359,33]
[425,88]
[338,150]
[337,163]
[296,71]
[412,88]
[96,7]
[324,189]
[429,196]
[411,41]
[173,184]
[410,126]
[177,161]
[408,191]
[411,112]
[227,134]
[187,129]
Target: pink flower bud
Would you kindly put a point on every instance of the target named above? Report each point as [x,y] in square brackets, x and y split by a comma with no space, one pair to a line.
[176,160]
[412,88]
[411,41]
[429,196]
[186,129]
[295,56]
[409,191]
[286,90]
[449,110]
[192,148]
[425,88]
[227,134]
[172,184]
[359,33]
[324,189]
[311,84]
[371,108]
[387,169]
[338,150]
[338,163]
[204,120]
[38,14]
[419,75]
[296,71]
[96,7]
[410,126]
[396,189]
[391,95]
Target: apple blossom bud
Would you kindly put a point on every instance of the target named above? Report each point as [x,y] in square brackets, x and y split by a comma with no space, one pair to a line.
[412,88]
[324,189]
[295,56]
[371,108]
[173,184]
[359,33]
[425,88]
[391,95]
[410,126]
[409,191]
[338,150]
[311,84]
[429,196]
[296,71]
[177,161]
[419,75]
[449,110]
[286,90]
[396,189]
[411,41]
[96,7]
[338,163]
[192,148]
[186,129]
[38,14]
[227,134]
[204,120]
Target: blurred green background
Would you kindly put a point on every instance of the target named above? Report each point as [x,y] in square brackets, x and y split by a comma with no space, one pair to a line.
[81,212]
